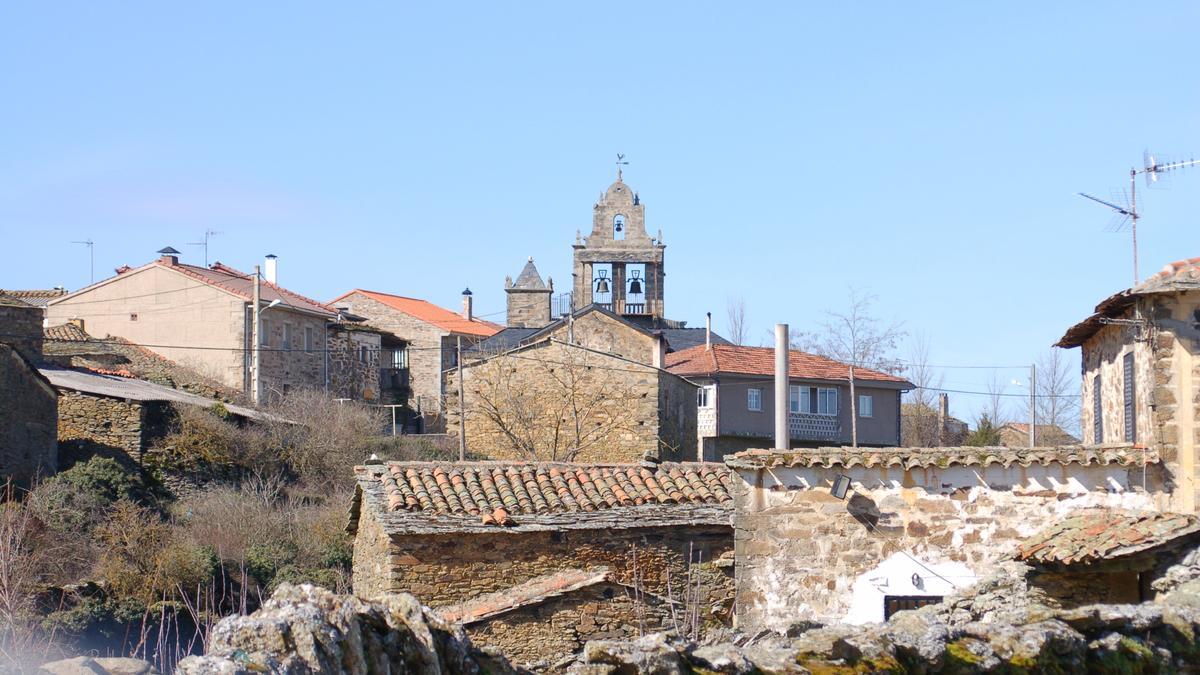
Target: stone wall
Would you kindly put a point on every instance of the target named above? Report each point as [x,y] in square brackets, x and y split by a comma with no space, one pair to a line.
[802,552]
[28,446]
[353,363]
[548,631]
[120,429]
[528,308]
[21,327]
[285,364]
[552,399]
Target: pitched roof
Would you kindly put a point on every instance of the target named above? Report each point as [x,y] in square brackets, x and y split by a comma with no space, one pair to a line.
[1181,275]
[100,384]
[699,360]
[68,332]
[912,458]
[1093,536]
[242,284]
[36,298]
[429,313]
[529,279]
[465,496]
[1051,434]
[534,591]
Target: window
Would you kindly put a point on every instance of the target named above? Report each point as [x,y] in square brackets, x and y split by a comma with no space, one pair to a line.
[362,353]
[308,338]
[1097,412]
[827,401]
[754,400]
[287,336]
[866,405]
[133,317]
[264,338]
[809,400]
[1130,409]
[705,396]
[797,399]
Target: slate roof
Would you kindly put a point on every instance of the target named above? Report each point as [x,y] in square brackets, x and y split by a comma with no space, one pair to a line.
[112,386]
[429,313]
[506,339]
[529,279]
[1182,275]
[911,458]
[532,592]
[1095,536]
[679,339]
[465,496]
[36,298]
[760,361]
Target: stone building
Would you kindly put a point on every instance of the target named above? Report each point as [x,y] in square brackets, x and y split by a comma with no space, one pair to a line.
[736,401]
[1109,556]
[1016,435]
[535,558]
[852,535]
[1141,369]
[589,387]
[528,299]
[202,318]
[430,335]
[28,404]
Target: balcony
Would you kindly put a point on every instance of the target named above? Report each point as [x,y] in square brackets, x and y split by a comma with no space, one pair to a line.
[635,308]
[809,427]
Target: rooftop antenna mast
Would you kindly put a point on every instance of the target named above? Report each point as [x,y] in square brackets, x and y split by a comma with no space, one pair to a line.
[1152,171]
[208,234]
[91,257]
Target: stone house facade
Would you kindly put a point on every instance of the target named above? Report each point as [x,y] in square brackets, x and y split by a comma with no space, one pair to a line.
[461,536]
[430,334]
[28,403]
[911,526]
[590,388]
[202,318]
[1141,373]
[736,402]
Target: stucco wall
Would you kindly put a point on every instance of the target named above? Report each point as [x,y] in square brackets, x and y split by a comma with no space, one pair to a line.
[803,553]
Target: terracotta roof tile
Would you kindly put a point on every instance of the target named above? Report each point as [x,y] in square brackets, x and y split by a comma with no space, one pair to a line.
[68,332]
[1181,275]
[242,284]
[1103,535]
[35,297]
[700,360]
[430,313]
[910,458]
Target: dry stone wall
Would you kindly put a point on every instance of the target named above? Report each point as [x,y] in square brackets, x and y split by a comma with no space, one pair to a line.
[354,364]
[28,446]
[21,327]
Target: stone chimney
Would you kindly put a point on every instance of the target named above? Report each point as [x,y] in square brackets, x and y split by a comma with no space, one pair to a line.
[468,306]
[271,269]
[943,417]
[168,256]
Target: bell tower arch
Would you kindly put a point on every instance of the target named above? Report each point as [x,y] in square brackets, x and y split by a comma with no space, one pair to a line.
[618,266]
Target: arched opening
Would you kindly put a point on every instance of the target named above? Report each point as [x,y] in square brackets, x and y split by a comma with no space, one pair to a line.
[619,227]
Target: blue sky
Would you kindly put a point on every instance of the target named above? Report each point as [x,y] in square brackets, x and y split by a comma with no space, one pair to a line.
[928,153]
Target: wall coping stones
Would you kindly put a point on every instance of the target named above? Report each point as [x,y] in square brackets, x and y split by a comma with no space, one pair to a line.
[912,458]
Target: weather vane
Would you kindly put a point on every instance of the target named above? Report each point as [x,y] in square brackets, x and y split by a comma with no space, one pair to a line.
[620,162]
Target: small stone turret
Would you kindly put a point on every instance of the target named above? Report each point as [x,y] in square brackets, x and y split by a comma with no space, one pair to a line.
[528,298]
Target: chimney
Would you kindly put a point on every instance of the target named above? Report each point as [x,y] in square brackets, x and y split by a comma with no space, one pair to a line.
[708,331]
[468,305]
[943,416]
[169,256]
[783,438]
[271,268]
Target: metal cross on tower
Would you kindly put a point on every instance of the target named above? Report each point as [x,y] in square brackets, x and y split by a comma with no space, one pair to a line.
[620,163]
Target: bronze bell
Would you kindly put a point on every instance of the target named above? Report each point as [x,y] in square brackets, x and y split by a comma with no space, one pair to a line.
[635,284]
[602,283]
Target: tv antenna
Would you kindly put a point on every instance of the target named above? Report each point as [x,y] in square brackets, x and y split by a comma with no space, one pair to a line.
[1152,171]
[91,257]
[208,234]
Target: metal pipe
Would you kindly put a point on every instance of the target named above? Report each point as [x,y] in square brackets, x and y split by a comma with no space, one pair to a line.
[782,437]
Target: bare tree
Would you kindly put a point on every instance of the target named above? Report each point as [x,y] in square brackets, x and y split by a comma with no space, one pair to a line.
[553,403]
[997,411]
[856,337]
[919,419]
[735,314]
[1057,395]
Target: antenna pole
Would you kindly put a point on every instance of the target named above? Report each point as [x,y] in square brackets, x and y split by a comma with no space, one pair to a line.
[1133,217]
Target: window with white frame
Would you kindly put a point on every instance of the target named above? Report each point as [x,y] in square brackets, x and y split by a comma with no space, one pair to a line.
[754,400]
[308,338]
[705,396]
[866,405]
[810,400]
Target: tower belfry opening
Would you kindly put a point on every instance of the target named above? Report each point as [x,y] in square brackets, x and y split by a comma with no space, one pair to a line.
[620,254]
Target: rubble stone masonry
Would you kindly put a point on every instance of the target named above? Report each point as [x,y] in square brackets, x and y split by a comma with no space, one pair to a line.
[27,417]
[116,428]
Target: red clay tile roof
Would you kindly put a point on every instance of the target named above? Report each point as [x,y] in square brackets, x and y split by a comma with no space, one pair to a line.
[1181,275]
[911,458]
[242,284]
[700,360]
[68,332]
[475,488]
[534,591]
[37,297]
[430,313]
[1103,535]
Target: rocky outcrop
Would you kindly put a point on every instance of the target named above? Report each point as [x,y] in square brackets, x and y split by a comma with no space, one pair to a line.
[1000,625]
[85,665]
[306,629]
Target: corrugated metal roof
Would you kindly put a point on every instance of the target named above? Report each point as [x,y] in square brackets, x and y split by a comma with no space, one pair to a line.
[137,390]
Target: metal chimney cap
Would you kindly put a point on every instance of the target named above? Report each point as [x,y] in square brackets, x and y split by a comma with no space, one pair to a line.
[271,256]
[168,251]
[467,291]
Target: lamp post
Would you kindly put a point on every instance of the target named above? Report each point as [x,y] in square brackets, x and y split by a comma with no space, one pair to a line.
[255,347]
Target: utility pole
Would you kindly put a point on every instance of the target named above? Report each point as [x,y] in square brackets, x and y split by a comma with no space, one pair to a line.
[254,346]
[462,407]
[1032,405]
[783,438]
[853,411]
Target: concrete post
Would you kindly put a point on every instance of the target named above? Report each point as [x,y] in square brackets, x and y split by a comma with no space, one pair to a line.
[783,438]
[257,340]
